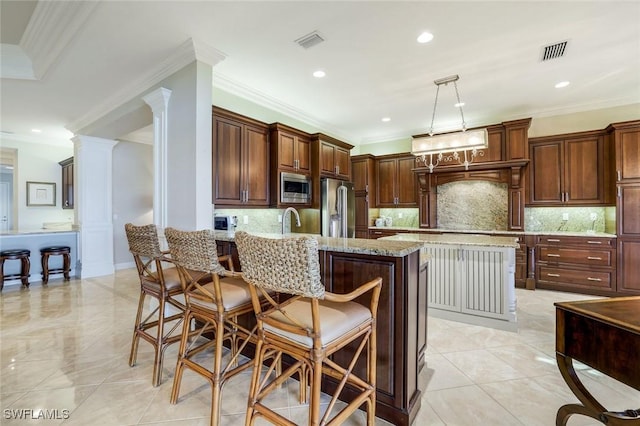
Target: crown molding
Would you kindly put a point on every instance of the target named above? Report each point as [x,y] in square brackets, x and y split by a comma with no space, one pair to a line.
[186,53]
[233,87]
[50,29]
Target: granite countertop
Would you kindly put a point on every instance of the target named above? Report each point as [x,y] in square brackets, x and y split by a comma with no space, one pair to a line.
[345,245]
[37,231]
[494,232]
[462,239]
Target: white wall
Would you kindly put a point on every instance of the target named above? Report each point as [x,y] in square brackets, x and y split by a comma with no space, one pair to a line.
[132,194]
[39,163]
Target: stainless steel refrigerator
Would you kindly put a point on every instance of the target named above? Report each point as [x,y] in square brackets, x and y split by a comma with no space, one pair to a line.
[337,208]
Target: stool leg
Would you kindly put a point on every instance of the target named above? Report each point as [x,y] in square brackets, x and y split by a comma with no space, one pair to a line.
[66,265]
[1,274]
[45,268]
[26,267]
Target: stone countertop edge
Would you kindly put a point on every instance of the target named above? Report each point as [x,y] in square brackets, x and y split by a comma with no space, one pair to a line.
[18,233]
[495,232]
[344,245]
[456,239]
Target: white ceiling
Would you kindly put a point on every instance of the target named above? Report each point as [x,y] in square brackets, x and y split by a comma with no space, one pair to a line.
[80,54]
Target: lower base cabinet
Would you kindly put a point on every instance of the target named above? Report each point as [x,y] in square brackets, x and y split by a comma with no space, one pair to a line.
[401,329]
[576,264]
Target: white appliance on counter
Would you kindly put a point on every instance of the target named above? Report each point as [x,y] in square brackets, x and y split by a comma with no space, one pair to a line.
[337,208]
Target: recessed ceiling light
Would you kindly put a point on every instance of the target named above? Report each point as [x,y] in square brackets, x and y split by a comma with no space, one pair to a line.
[386,119]
[459,104]
[425,37]
[562,84]
[36,130]
[319,74]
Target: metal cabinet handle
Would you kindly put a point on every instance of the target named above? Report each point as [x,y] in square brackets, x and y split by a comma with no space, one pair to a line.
[553,240]
[593,258]
[619,173]
[553,255]
[553,275]
[619,192]
[594,242]
[594,279]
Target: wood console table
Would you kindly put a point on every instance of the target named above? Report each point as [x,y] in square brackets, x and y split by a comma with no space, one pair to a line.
[604,334]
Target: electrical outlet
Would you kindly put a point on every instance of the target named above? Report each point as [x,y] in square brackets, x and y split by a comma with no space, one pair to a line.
[399,215]
[279,218]
[565,216]
[245,220]
[593,216]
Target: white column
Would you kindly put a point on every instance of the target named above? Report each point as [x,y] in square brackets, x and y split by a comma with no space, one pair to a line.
[158,100]
[93,166]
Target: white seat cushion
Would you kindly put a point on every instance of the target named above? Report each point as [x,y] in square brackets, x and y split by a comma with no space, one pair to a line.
[235,292]
[336,319]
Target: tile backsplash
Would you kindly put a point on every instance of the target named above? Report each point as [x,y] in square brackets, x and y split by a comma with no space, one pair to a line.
[570,219]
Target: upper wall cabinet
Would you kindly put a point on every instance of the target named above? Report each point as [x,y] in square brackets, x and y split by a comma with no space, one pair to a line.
[67,183]
[333,157]
[571,169]
[240,163]
[290,150]
[396,183]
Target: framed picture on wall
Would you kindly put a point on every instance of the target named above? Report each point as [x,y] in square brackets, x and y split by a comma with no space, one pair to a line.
[41,193]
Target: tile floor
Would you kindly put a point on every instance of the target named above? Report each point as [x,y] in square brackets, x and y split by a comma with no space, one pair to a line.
[66,347]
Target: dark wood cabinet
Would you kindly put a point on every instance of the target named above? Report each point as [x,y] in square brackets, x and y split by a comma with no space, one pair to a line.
[401,326]
[67,183]
[240,162]
[569,170]
[290,149]
[362,172]
[626,141]
[333,157]
[396,183]
[576,264]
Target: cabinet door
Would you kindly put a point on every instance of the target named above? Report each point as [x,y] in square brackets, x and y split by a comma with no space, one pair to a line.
[286,151]
[67,186]
[303,155]
[628,155]
[628,211]
[256,166]
[228,185]
[546,173]
[327,164]
[584,171]
[362,212]
[342,163]
[360,172]
[385,182]
[406,183]
[628,265]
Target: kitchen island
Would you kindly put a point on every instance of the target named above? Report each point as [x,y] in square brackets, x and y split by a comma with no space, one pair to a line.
[33,240]
[471,277]
[346,263]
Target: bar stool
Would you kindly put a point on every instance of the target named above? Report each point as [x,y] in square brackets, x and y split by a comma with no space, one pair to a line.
[18,254]
[63,251]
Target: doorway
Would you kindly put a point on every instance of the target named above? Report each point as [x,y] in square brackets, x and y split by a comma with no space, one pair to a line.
[8,189]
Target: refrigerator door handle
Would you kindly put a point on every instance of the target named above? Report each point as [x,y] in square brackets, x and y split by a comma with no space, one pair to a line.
[342,193]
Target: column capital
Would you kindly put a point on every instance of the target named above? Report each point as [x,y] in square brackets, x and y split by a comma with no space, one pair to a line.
[158,100]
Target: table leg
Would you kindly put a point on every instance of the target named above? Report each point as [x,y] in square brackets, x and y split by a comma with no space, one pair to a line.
[590,407]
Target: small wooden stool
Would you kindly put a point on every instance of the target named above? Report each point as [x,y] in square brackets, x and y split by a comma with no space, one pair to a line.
[63,251]
[25,264]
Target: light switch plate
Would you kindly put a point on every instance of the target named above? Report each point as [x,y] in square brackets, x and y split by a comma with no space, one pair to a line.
[594,216]
[245,220]
[565,216]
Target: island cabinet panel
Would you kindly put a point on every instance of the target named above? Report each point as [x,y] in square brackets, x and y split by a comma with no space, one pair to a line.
[570,170]
[401,326]
[240,160]
[576,264]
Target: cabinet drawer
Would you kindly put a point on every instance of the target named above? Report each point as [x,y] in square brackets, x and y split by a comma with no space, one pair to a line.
[576,241]
[577,256]
[602,279]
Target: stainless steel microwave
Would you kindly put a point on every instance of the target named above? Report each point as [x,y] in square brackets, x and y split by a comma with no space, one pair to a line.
[295,188]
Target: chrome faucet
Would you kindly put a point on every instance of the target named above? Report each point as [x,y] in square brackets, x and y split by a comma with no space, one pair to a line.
[284,217]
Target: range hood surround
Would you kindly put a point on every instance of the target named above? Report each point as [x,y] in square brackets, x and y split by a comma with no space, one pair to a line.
[510,173]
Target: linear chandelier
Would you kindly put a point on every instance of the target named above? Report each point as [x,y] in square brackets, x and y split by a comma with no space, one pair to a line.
[447,146]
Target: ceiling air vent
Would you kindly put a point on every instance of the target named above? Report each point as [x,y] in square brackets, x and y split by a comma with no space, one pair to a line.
[310,40]
[553,51]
